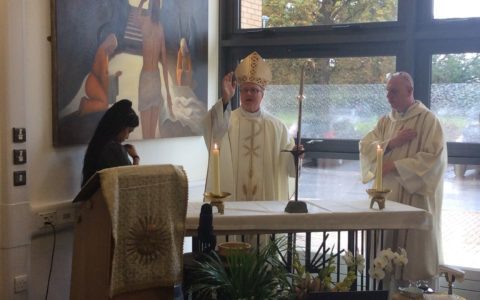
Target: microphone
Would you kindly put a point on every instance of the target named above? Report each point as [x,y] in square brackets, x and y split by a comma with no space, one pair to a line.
[206,239]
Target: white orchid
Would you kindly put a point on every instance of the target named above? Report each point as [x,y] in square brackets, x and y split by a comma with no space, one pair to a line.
[400,259]
[380,262]
[376,273]
[389,267]
[387,261]
[403,256]
[360,262]
[387,253]
[349,259]
[357,261]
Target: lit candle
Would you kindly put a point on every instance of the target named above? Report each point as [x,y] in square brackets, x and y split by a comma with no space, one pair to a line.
[216,169]
[378,176]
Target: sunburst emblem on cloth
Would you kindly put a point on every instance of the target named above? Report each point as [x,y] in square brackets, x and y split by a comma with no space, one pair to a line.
[146,240]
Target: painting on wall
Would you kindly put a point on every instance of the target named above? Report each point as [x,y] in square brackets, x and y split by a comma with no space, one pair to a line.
[152,52]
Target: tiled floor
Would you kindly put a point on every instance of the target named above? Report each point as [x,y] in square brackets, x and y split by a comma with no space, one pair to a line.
[461,234]
[461,219]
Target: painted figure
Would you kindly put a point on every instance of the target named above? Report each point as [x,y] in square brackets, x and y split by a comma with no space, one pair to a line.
[150,99]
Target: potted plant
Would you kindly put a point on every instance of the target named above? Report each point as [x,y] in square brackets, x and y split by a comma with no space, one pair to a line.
[242,274]
[247,274]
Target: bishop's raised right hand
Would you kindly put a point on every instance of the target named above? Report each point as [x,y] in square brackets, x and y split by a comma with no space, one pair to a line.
[229,84]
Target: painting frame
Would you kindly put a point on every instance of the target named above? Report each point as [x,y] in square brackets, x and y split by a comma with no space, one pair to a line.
[79,27]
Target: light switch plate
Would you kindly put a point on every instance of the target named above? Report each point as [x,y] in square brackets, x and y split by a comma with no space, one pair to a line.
[19,178]
[19,135]
[19,156]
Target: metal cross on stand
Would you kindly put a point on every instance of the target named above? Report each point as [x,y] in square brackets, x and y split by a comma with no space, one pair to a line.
[296,206]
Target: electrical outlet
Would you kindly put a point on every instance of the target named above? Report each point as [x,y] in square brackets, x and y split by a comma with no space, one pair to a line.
[48,217]
[65,216]
[20,283]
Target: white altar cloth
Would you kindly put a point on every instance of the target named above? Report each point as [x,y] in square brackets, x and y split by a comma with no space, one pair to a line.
[323,215]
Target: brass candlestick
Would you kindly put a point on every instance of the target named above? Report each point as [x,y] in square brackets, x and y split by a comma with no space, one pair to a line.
[378,196]
[217,200]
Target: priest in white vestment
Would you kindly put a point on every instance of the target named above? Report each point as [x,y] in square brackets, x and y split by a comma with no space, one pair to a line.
[252,164]
[413,168]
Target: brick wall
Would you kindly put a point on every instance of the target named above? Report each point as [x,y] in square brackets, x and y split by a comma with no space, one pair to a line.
[251,14]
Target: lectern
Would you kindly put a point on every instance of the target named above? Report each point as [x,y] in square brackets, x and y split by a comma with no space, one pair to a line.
[129,233]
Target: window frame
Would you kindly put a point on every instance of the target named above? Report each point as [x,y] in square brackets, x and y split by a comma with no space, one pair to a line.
[458,153]
[413,39]
[427,22]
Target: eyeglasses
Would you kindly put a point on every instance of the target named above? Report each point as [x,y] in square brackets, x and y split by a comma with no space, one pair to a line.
[253,91]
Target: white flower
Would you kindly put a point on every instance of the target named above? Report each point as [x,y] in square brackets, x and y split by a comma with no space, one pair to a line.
[360,260]
[389,267]
[386,262]
[403,260]
[376,273]
[360,267]
[380,262]
[349,259]
[388,254]
[400,259]
[396,258]
[357,261]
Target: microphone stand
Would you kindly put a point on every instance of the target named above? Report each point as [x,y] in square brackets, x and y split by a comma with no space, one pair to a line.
[298,206]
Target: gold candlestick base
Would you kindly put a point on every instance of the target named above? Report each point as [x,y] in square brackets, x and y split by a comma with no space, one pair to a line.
[378,196]
[217,200]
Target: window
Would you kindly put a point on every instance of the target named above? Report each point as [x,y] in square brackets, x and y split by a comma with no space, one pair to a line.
[344,96]
[448,9]
[455,95]
[275,13]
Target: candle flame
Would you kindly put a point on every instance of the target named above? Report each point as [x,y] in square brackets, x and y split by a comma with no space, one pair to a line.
[215,146]
[378,147]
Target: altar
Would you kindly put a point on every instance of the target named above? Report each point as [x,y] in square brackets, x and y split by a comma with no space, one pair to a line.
[363,225]
[251,217]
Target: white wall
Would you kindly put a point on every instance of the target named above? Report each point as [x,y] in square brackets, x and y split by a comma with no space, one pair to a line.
[54,174]
[14,205]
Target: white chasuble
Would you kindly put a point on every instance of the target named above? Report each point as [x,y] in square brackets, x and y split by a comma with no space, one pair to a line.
[252,164]
[249,158]
[418,181]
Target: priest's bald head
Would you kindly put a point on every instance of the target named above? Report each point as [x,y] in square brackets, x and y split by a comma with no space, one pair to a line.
[252,74]
[400,91]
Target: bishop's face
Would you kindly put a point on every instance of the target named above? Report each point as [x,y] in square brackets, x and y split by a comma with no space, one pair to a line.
[251,96]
